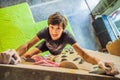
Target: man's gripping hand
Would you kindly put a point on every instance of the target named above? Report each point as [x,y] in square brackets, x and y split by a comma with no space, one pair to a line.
[109,68]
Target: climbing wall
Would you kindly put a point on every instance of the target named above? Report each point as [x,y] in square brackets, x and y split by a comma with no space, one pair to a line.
[17,26]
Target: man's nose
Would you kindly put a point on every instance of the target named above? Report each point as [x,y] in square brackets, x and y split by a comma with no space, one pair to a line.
[54,31]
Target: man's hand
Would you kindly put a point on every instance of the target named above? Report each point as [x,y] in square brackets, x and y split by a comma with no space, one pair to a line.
[109,68]
[27,55]
[10,57]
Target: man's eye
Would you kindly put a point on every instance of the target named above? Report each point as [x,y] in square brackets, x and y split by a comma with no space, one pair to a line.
[59,28]
[51,27]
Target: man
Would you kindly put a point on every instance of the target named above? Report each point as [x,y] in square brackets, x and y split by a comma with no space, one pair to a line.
[55,38]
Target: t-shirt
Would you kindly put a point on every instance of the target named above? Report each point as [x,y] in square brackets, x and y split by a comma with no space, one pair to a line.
[56,46]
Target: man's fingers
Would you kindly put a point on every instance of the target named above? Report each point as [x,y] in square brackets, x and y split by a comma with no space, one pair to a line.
[109,68]
[113,68]
[102,65]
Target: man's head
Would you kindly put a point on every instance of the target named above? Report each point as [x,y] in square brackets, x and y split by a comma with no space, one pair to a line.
[56,24]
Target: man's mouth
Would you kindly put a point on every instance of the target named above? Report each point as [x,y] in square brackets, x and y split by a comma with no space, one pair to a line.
[54,35]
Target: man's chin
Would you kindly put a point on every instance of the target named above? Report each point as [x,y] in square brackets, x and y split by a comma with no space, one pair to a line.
[54,38]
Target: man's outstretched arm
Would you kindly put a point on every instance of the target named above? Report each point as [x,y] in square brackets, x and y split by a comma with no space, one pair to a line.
[108,67]
[85,56]
[25,47]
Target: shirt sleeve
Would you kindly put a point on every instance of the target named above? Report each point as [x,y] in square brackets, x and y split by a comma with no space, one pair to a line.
[42,34]
[70,39]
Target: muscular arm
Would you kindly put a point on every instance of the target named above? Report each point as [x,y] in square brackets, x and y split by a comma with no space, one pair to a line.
[84,55]
[25,47]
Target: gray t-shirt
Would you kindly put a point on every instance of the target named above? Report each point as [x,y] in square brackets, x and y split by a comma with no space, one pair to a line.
[56,46]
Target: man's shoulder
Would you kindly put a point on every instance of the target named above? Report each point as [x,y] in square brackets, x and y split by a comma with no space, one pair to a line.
[45,29]
[66,32]
[43,33]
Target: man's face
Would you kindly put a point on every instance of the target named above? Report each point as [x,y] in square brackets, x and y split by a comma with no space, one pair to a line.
[55,31]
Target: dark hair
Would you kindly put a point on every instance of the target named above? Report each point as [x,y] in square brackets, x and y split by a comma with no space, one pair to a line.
[57,18]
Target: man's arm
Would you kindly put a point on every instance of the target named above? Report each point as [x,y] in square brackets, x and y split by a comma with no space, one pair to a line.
[25,47]
[108,67]
[84,55]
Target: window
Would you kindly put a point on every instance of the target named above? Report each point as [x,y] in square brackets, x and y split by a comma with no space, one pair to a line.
[114,20]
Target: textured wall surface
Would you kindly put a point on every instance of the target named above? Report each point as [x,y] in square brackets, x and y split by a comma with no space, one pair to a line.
[46,73]
[26,71]
[5,3]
